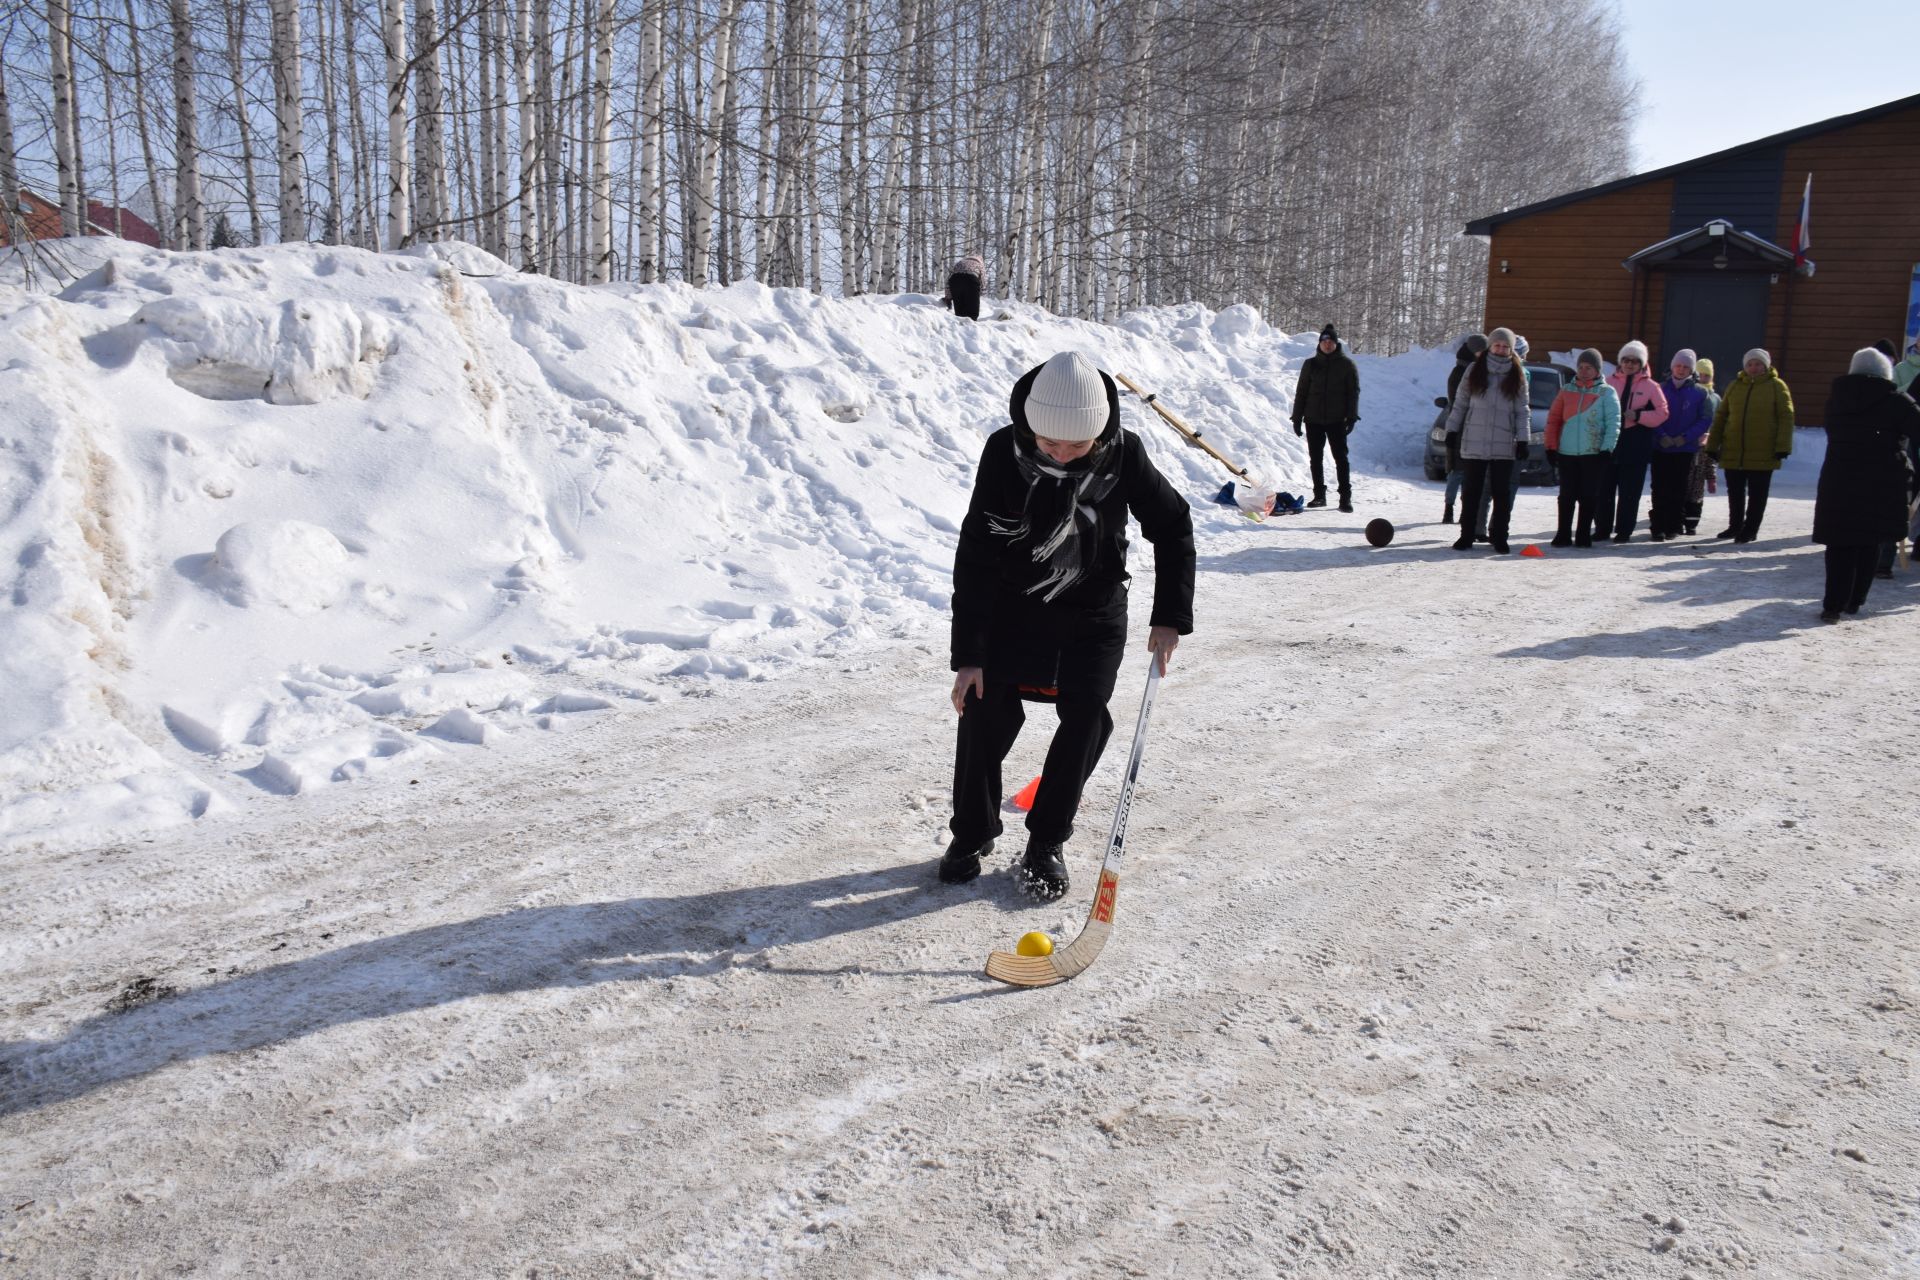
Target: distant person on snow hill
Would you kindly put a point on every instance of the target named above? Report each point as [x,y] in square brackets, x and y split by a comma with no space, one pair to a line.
[1866,478]
[1700,478]
[1752,435]
[1040,603]
[1582,428]
[964,285]
[1470,346]
[1490,425]
[1676,442]
[1643,408]
[1327,400]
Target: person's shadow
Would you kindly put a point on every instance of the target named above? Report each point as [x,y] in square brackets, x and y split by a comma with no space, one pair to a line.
[1785,586]
[519,950]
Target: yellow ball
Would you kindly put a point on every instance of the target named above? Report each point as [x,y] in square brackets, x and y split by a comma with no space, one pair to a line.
[1034,944]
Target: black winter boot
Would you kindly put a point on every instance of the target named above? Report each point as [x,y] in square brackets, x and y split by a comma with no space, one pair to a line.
[1043,872]
[961,862]
[1346,503]
[1319,498]
[1446,517]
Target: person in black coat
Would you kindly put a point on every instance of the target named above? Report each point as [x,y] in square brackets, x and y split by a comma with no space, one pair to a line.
[1327,400]
[1865,480]
[1040,603]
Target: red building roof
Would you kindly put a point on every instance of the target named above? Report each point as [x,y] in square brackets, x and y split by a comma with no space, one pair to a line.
[42,219]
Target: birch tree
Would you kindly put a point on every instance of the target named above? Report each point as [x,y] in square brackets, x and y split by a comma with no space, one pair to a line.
[399,178]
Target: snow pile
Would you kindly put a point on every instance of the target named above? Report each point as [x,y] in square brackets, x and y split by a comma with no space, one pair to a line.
[286,517]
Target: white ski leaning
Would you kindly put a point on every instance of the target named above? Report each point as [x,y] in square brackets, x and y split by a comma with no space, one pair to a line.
[1076,956]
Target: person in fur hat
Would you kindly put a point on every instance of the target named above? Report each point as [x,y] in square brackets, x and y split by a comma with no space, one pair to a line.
[1040,604]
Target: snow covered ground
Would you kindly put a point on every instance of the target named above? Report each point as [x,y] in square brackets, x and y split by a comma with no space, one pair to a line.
[473,751]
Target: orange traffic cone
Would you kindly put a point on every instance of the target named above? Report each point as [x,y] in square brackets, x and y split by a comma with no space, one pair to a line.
[1533,549]
[1024,801]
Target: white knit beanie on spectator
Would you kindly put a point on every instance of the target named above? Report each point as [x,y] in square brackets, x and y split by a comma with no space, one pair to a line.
[1684,356]
[1872,363]
[1635,350]
[1502,334]
[1761,354]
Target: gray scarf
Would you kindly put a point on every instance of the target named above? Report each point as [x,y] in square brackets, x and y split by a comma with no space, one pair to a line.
[1060,501]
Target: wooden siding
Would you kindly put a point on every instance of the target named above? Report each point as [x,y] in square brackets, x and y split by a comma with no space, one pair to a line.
[1564,287]
[1866,240]
[1743,189]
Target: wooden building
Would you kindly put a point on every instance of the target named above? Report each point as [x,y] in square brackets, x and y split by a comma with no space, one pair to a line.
[40,220]
[1700,254]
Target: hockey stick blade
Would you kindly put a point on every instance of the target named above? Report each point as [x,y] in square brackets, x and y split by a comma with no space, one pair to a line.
[1076,956]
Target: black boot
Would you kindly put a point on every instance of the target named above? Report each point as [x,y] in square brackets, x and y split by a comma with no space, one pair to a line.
[1446,517]
[961,862]
[1465,540]
[1043,872]
[1346,503]
[1319,498]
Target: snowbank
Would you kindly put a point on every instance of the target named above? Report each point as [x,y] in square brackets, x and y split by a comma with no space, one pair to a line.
[282,517]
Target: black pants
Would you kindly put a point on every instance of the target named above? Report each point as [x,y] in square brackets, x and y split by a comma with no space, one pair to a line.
[1670,472]
[1747,501]
[1480,474]
[1580,481]
[1631,457]
[1849,577]
[988,728]
[964,288]
[1319,438]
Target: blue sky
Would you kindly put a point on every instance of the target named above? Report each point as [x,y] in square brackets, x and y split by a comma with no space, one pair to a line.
[1721,72]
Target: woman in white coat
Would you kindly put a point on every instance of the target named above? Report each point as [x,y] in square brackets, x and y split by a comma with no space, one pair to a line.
[1489,428]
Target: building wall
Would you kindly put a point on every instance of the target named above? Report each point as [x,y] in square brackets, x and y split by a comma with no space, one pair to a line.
[1564,287]
[1866,242]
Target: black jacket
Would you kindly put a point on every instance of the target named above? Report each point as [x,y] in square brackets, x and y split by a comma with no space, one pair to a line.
[1865,480]
[1016,635]
[1328,392]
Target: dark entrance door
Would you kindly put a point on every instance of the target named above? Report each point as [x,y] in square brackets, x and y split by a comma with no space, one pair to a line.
[1721,316]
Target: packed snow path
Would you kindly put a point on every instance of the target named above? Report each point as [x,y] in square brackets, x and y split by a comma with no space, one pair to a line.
[1489,917]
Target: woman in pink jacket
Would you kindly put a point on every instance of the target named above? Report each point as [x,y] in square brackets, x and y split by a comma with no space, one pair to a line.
[1643,407]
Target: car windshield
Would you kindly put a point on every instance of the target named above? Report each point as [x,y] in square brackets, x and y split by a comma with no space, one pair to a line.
[1543,386]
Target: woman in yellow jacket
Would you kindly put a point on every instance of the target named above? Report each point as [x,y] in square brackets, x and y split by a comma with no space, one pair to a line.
[1752,435]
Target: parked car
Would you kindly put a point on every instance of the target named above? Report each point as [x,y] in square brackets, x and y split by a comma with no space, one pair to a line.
[1543,384]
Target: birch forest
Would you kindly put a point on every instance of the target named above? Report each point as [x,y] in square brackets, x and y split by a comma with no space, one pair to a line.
[1314,158]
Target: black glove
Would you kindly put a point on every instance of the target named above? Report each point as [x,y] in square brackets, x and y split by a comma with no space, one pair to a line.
[1714,454]
[1779,457]
[1350,425]
[1605,455]
[1519,450]
[1298,429]
[1553,457]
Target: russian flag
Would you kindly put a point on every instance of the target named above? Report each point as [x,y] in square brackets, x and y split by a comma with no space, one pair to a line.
[1803,234]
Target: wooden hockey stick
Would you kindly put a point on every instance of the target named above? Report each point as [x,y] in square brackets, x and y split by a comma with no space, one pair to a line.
[1193,437]
[1065,962]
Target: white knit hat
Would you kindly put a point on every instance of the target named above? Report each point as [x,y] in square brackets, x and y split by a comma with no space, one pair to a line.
[1502,334]
[1761,354]
[1068,400]
[1635,350]
[1683,356]
[1872,363]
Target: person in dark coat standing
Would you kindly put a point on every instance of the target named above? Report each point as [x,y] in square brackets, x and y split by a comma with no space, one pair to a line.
[1865,480]
[964,284]
[1040,603]
[1327,400]
[1470,348]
